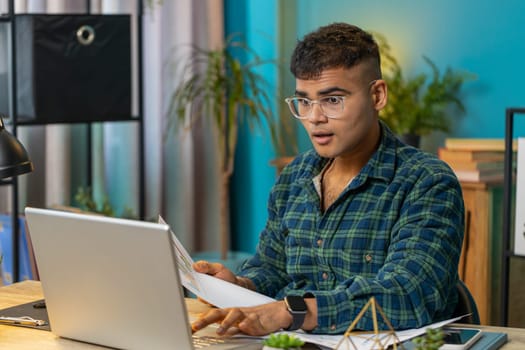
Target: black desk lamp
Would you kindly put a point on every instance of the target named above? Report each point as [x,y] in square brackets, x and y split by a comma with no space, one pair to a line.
[14,161]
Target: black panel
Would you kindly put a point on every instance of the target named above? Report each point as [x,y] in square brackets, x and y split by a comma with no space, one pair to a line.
[61,80]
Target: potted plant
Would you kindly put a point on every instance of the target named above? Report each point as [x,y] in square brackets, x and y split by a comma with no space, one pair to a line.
[86,202]
[431,340]
[420,104]
[282,341]
[218,86]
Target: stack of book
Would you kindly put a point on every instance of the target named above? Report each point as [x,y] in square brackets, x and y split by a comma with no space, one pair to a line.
[475,160]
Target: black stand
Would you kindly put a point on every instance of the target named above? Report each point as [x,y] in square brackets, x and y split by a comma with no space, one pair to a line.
[9,18]
[507,212]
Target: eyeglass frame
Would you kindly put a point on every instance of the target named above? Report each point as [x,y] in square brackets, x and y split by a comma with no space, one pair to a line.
[289,100]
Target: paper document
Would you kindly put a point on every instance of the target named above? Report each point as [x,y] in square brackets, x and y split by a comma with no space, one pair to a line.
[214,290]
[366,340]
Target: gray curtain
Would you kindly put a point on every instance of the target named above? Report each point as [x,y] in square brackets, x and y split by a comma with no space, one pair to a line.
[181,172]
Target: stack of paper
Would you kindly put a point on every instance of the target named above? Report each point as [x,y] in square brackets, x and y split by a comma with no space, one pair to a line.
[215,291]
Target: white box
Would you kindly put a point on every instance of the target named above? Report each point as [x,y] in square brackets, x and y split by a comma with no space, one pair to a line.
[519,224]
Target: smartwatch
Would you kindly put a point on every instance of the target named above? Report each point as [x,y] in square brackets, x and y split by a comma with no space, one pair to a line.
[297,308]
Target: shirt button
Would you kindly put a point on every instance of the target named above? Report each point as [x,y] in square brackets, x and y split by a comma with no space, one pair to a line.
[325,276]
[368,258]
[332,327]
[319,242]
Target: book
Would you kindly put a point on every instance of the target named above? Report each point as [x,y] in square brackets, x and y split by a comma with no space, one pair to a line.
[488,341]
[476,165]
[469,155]
[479,175]
[473,144]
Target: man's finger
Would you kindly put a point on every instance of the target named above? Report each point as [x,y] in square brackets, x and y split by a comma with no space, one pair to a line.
[212,316]
[232,319]
[208,267]
[201,266]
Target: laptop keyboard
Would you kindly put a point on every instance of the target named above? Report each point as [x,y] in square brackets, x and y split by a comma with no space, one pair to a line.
[200,342]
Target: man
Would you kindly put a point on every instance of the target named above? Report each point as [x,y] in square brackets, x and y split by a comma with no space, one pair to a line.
[360,216]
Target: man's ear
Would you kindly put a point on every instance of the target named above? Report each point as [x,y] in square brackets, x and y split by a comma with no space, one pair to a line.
[379,94]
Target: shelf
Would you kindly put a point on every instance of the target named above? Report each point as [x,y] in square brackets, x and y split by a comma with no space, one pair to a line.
[4,182]
[507,253]
[17,121]
[35,123]
[510,254]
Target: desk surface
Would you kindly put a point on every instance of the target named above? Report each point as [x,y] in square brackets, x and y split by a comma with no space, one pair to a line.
[19,338]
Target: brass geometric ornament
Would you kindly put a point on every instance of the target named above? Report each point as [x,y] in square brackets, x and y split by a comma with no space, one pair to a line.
[379,340]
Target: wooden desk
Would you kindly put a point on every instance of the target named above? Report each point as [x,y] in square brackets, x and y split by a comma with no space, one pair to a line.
[19,338]
[12,337]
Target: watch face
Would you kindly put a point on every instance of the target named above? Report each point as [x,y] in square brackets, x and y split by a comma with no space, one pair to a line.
[296,303]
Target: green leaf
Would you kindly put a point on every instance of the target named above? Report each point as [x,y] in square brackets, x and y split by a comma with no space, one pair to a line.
[283,341]
[224,86]
[423,103]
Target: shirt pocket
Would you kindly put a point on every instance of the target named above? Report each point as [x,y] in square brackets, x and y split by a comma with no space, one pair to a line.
[300,254]
[364,262]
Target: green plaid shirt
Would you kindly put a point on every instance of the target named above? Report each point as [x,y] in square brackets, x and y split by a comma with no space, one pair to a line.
[395,233]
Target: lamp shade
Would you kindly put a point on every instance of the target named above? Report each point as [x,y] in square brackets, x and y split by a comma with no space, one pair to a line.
[14,159]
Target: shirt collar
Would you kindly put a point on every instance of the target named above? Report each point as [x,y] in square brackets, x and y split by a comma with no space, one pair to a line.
[382,164]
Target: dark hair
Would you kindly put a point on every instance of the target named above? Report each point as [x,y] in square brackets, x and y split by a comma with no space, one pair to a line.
[333,46]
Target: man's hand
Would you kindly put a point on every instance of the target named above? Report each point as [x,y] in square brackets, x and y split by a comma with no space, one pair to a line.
[256,321]
[215,269]
[220,271]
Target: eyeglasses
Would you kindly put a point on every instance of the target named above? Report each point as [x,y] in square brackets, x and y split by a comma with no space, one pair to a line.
[331,106]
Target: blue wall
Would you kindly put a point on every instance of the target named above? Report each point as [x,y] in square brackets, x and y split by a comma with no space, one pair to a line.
[484,37]
[253,177]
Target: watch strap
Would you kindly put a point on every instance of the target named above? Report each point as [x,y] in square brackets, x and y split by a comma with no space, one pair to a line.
[297,321]
[297,318]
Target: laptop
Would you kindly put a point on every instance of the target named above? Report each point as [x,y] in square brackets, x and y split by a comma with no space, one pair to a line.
[113,282]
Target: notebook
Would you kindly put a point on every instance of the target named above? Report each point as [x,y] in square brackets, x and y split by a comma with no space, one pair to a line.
[488,341]
[113,282]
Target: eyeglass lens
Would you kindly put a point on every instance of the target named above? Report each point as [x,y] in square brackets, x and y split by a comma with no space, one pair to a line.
[331,106]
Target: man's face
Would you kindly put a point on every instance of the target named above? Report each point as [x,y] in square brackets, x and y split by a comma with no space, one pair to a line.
[355,128]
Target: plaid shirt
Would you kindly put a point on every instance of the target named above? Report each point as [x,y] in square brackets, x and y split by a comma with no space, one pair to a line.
[395,233]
